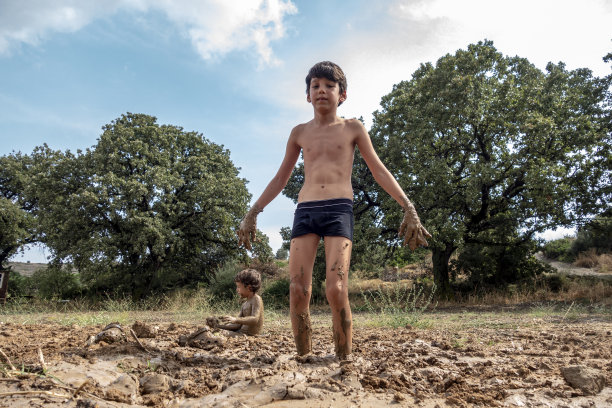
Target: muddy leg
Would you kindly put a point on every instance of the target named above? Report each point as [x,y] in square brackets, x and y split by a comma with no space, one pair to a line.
[338,259]
[301,261]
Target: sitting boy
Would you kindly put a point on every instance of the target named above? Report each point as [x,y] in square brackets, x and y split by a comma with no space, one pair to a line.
[325,204]
[250,319]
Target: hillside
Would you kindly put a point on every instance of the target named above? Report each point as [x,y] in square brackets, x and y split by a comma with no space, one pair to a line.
[25,268]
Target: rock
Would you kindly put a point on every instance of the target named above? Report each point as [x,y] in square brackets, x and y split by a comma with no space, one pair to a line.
[143,330]
[112,335]
[123,389]
[588,380]
[154,383]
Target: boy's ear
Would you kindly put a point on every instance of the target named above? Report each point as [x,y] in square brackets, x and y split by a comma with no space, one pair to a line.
[308,97]
[343,96]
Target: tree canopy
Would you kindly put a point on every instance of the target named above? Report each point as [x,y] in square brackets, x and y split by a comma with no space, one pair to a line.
[148,208]
[492,150]
[19,177]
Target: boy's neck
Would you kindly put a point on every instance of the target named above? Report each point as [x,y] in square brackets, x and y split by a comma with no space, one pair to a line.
[325,118]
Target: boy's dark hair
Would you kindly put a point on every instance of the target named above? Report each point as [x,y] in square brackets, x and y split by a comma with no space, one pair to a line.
[327,70]
[250,278]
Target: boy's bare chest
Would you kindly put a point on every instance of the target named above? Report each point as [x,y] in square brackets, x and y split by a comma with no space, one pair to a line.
[326,145]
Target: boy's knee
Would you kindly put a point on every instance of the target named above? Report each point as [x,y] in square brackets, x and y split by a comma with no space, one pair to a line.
[336,294]
[299,292]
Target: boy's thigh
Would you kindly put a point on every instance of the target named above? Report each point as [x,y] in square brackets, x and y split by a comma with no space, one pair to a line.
[337,258]
[302,253]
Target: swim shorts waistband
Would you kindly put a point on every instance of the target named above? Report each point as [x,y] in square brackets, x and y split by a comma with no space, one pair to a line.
[335,204]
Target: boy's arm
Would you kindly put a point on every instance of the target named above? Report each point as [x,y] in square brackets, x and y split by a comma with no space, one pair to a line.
[253,317]
[411,230]
[248,225]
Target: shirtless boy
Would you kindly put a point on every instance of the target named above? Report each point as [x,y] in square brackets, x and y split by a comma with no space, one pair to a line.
[325,204]
[250,319]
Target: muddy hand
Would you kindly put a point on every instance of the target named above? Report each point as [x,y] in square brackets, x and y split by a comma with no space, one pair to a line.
[414,234]
[248,227]
[227,319]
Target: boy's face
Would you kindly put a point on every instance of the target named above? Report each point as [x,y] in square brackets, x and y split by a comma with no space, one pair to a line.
[242,290]
[324,93]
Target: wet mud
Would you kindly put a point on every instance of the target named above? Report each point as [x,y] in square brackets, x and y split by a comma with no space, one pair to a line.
[501,366]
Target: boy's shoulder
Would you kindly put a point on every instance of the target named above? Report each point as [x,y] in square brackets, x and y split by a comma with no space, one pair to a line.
[299,128]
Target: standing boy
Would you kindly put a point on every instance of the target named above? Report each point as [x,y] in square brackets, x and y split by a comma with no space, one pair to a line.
[325,204]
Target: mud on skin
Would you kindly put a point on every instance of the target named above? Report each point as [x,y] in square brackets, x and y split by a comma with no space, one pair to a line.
[303,339]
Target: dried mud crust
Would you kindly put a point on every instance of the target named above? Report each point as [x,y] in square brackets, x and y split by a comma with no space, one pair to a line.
[484,367]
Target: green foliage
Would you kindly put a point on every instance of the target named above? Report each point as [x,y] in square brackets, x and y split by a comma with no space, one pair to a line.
[492,151]
[222,287]
[261,248]
[504,264]
[595,234]
[56,283]
[19,286]
[276,294]
[560,249]
[403,256]
[282,254]
[16,227]
[21,185]
[149,208]
[555,282]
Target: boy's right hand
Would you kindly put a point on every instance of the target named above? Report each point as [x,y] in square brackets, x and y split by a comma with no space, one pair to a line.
[248,227]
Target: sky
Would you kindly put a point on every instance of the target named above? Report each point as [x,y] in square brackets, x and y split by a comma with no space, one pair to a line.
[234,70]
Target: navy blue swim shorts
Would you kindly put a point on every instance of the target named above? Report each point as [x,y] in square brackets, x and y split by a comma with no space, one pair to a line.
[326,218]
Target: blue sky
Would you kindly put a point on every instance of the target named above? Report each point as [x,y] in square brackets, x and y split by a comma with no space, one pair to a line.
[234,70]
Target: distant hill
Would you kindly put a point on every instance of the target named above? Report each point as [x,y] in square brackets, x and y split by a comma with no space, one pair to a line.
[26,268]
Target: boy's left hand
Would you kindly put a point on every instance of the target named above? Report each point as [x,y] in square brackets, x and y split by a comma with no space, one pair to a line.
[413,232]
[248,228]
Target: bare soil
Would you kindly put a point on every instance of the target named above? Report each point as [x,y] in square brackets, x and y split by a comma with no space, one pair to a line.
[464,359]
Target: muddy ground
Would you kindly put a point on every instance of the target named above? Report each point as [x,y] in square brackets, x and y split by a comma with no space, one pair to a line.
[514,362]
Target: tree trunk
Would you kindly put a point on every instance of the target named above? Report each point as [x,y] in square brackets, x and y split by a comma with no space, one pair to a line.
[439,259]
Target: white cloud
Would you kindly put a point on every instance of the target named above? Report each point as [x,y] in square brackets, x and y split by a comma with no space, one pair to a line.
[29,21]
[412,32]
[215,27]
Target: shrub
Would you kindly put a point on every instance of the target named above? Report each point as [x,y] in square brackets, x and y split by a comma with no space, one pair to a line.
[57,282]
[560,249]
[19,285]
[595,234]
[276,293]
[501,264]
[555,282]
[223,287]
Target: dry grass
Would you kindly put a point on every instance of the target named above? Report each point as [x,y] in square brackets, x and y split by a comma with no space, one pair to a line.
[588,259]
[605,263]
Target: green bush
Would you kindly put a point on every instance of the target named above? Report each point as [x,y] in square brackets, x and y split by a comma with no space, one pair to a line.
[276,294]
[555,282]
[223,287]
[499,264]
[595,234]
[56,282]
[19,285]
[560,249]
